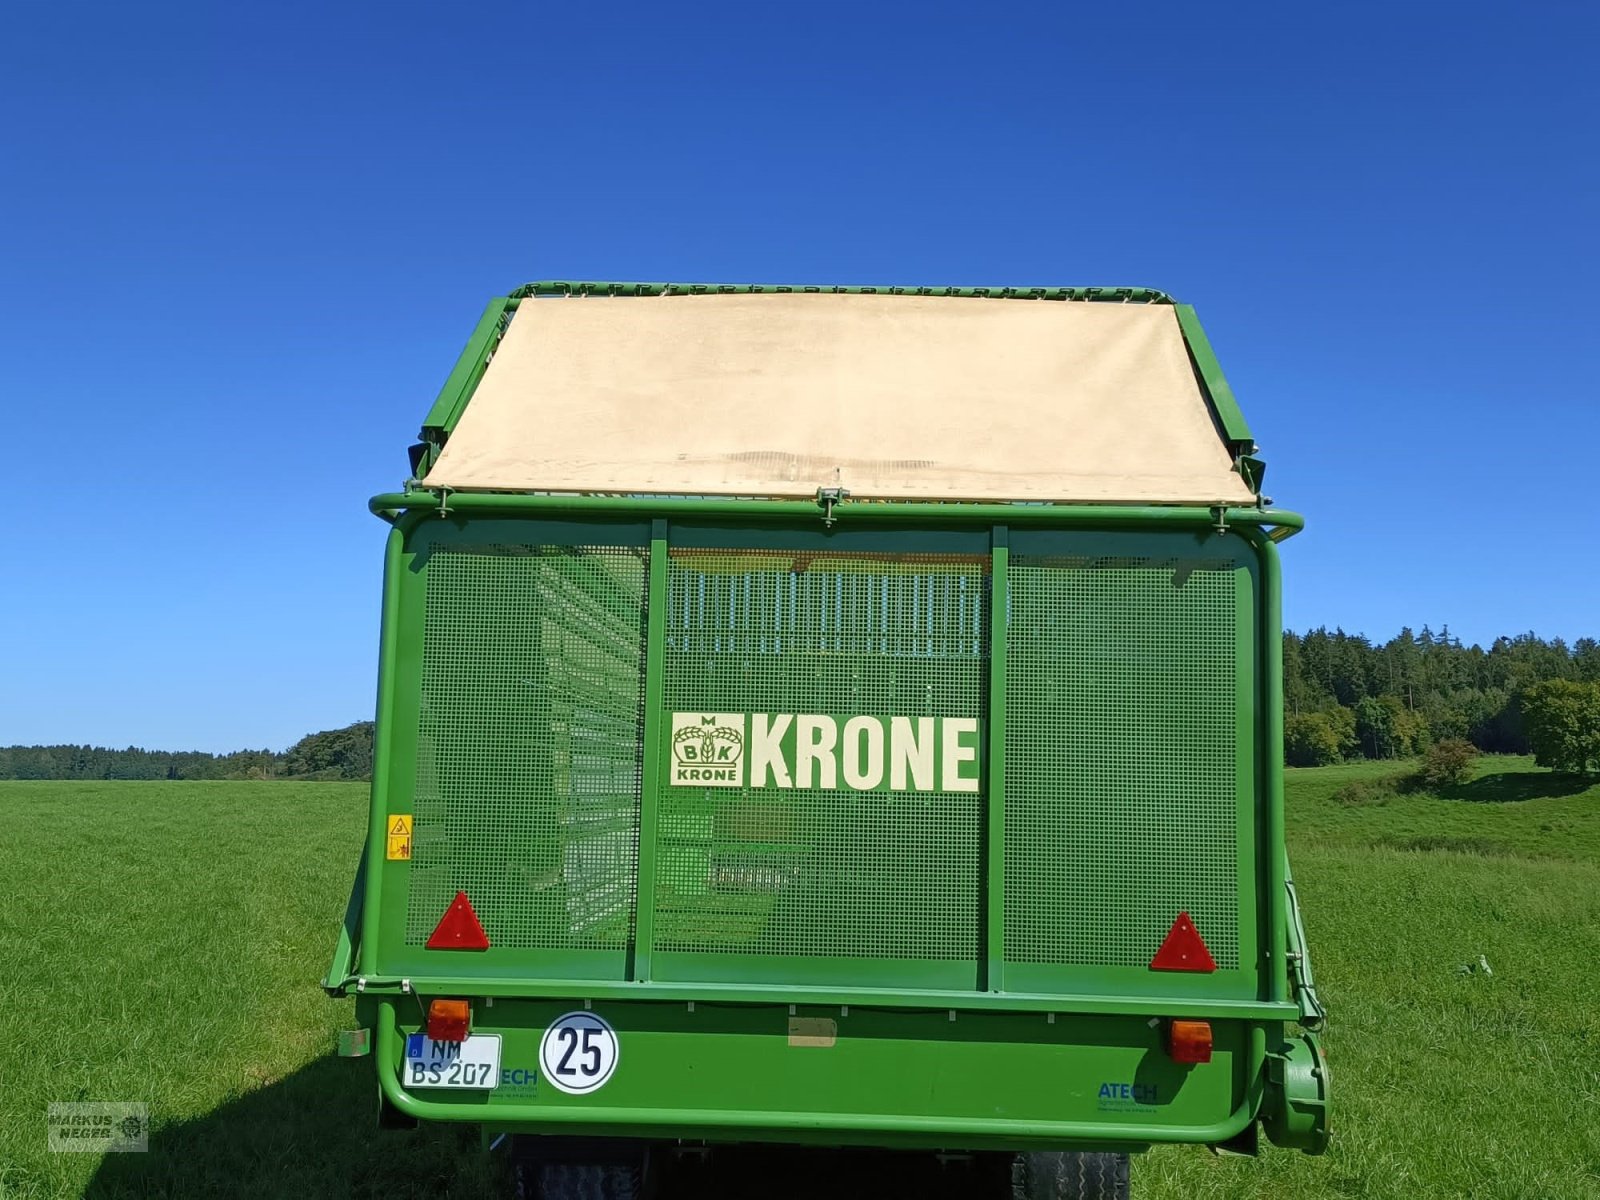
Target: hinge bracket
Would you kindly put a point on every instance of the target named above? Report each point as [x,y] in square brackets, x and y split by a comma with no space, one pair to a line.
[828,497]
[1251,469]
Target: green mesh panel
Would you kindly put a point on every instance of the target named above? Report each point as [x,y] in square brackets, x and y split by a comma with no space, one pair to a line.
[823,872]
[1121,768]
[529,746]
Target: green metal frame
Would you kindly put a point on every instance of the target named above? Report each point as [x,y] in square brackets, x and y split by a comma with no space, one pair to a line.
[730,1048]
[632,514]
[1279,524]
[655,639]
[1229,416]
[561,287]
[469,367]
[463,379]
[1110,1010]
[625,517]
[1270,715]
[994,928]
[1311,1014]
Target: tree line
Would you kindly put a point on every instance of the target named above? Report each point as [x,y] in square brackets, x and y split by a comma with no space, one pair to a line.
[1345,696]
[1348,697]
[332,754]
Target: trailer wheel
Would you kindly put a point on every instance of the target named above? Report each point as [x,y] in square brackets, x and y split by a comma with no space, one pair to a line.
[581,1181]
[1059,1175]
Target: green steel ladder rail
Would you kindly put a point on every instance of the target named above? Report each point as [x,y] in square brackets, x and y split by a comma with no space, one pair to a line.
[1280,523]
[1312,1014]
[348,946]
[570,287]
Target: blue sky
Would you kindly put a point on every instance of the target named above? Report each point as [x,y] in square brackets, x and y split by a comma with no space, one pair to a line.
[241,245]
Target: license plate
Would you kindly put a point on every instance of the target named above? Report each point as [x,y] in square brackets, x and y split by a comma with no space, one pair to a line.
[474,1063]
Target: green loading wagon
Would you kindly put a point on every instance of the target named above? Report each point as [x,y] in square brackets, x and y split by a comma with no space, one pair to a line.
[838,716]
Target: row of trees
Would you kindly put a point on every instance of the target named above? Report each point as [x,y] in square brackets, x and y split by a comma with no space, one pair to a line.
[1348,697]
[332,754]
[1344,697]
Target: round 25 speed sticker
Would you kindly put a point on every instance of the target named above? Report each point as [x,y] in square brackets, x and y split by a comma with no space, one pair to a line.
[578,1053]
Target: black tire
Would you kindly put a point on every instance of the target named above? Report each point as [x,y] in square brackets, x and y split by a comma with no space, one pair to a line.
[582,1181]
[1059,1175]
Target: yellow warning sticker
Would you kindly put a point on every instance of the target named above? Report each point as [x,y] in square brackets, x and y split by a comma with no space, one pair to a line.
[399,837]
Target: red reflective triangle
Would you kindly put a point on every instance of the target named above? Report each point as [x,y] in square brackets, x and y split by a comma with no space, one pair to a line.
[1184,949]
[458,929]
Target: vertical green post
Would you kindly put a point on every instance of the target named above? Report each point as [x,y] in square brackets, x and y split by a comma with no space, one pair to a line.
[382,753]
[644,930]
[995,851]
[1272,836]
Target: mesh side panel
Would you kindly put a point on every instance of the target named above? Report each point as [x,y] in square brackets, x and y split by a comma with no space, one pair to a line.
[823,872]
[530,744]
[1121,777]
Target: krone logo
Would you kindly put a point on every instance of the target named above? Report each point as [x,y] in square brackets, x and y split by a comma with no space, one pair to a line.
[708,749]
[825,752]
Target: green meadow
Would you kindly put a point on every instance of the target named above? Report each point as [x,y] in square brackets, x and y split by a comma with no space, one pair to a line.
[1446,1082]
[161,942]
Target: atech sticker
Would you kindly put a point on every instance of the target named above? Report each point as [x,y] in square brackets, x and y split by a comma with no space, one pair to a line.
[399,837]
[1116,1096]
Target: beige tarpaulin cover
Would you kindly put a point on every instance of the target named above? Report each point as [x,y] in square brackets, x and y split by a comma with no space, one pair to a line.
[891,397]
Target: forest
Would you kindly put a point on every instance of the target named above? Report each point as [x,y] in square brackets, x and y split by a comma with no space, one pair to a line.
[1345,697]
[1348,697]
[332,754]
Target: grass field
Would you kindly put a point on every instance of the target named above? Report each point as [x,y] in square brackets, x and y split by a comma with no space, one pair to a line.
[1444,1083]
[161,942]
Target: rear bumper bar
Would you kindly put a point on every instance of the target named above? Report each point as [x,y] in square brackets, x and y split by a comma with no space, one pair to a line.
[720,1076]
